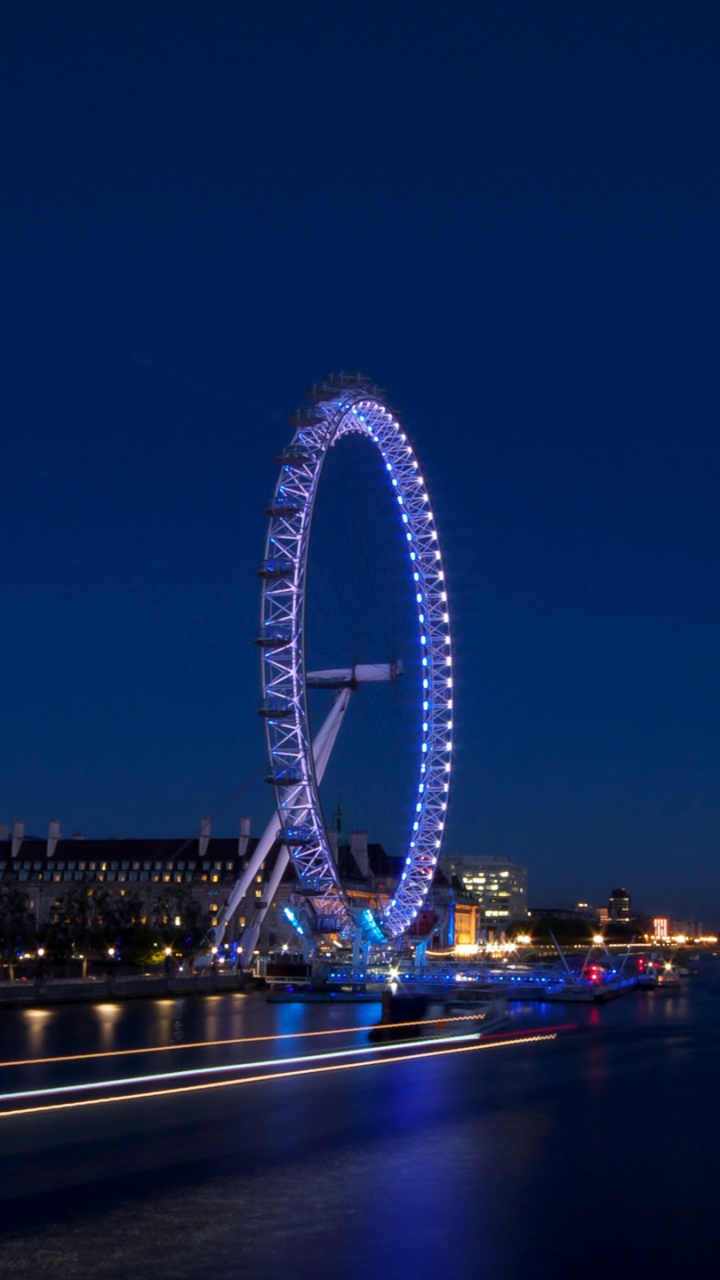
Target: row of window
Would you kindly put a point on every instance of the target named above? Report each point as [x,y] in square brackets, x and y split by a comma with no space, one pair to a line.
[89,877]
[117,867]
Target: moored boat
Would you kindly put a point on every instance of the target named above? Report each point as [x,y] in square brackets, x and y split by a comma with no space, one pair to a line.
[454,1014]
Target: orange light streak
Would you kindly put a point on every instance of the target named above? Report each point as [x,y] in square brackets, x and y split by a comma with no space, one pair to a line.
[213,1044]
[275,1075]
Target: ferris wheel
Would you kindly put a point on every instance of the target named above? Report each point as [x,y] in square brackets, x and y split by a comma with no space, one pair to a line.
[343,404]
[339,406]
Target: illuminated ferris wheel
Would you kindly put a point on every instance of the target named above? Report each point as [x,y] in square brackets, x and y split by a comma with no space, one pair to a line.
[342,404]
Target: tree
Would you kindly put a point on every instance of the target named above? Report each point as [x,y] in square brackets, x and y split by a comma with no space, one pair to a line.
[179,918]
[17,926]
[144,946]
[123,917]
[82,921]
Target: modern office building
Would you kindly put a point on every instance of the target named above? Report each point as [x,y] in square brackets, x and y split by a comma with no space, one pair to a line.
[619,906]
[497,885]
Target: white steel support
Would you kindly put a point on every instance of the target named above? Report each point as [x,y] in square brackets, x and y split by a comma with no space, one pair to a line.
[249,937]
[322,747]
[242,885]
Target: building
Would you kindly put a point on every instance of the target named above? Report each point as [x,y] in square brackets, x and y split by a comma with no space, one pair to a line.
[497,885]
[619,906]
[463,917]
[164,875]
[687,928]
[168,876]
[663,927]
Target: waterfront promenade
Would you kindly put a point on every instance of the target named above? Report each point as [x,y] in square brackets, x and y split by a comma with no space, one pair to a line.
[522,1158]
[47,991]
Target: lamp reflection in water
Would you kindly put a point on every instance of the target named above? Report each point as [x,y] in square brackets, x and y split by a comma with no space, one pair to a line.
[37,1021]
[108,1015]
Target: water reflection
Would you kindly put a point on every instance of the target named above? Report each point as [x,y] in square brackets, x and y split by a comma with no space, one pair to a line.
[177,1034]
[108,1016]
[486,1164]
[37,1022]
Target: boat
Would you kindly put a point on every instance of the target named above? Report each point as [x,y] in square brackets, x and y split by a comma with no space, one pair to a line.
[668,977]
[658,974]
[429,1015]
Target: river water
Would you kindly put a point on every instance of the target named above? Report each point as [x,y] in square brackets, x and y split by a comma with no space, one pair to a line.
[594,1152]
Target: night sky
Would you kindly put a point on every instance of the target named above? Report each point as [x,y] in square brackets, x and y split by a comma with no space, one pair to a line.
[507,214]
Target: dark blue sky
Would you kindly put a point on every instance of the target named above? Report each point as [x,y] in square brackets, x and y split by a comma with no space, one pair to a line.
[508,215]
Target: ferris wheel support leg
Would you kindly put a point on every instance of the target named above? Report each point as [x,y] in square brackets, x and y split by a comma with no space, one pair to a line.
[242,885]
[328,732]
[360,954]
[250,935]
[322,748]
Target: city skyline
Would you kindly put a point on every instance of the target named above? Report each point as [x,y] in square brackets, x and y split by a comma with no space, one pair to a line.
[511,226]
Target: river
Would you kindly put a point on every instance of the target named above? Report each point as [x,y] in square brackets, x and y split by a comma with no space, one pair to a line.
[591,1151]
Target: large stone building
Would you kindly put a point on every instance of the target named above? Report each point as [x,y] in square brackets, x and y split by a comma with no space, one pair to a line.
[165,874]
[201,868]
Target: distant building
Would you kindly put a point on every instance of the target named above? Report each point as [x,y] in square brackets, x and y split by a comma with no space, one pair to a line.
[619,906]
[687,928]
[585,910]
[497,885]
[556,913]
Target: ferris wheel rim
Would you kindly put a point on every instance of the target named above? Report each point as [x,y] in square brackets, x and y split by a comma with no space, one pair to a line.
[341,405]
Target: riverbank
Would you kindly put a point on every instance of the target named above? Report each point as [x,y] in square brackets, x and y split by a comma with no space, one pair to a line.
[41,992]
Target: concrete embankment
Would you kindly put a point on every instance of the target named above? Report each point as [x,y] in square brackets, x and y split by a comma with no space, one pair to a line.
[72,990]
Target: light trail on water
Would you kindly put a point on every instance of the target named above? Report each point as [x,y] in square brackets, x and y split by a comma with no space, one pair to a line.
[256,1079]
[156,1077]
[214,1044]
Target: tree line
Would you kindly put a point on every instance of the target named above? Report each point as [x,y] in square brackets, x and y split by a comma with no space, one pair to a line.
[90,923]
